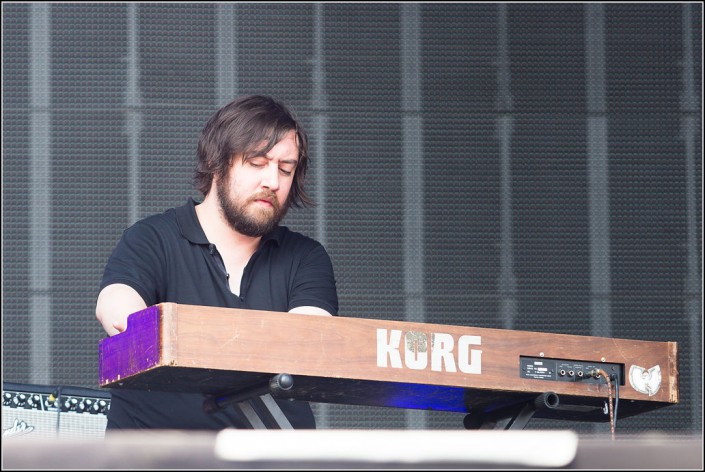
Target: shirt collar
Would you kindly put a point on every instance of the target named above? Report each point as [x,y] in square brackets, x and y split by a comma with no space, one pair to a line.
[191,228]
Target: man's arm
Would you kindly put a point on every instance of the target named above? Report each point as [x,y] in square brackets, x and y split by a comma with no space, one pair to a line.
[115,303]
[313,290]
[309,310]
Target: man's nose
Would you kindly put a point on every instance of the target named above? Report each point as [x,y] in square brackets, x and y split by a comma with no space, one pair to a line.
[271,177]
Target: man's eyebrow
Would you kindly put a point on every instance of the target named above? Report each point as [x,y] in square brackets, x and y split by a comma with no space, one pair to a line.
[268,157]
[293,162]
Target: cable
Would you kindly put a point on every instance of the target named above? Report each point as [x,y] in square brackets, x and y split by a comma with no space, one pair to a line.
[596,373]
[57,401]
[616,397]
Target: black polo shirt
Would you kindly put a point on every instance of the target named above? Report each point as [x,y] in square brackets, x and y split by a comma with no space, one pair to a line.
[167,258]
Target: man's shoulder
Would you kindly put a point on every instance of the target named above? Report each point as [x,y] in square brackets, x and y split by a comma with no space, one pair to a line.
[168,216]
[158,220]
[160,225]
[286,237]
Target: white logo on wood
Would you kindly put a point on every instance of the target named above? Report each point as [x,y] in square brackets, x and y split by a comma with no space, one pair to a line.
[645,381]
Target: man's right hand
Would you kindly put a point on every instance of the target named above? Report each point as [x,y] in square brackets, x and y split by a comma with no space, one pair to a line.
[115,303]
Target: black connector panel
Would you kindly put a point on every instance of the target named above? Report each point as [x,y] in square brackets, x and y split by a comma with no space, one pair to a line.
[568,370]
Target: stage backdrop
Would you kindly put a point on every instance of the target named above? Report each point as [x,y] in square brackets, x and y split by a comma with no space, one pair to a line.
[522,166]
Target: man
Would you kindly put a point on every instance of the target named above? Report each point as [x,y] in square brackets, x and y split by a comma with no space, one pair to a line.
[228,250]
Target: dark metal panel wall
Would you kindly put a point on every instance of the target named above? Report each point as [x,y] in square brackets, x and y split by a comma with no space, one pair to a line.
[648,189]
[88,157]
[150,74]
[15,193]
[461,165]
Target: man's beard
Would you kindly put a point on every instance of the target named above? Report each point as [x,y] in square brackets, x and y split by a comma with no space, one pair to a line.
[245,223]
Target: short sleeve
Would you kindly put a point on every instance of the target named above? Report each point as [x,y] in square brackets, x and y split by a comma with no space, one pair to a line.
[137,261]
[314,282]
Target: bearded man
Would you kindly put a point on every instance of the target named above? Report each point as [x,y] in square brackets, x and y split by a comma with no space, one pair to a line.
[229,250]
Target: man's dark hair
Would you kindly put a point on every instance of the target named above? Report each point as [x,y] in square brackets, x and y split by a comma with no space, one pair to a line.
[239,129]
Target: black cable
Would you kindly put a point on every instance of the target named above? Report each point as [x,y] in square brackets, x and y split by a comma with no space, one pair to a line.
[58,410]
[616,397]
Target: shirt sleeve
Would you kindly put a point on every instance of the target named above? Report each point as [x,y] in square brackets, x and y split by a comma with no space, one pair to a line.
[314,282]
[136,261]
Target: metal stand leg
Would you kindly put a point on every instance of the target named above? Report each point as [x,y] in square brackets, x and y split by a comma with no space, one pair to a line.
[515,416]
[255,404]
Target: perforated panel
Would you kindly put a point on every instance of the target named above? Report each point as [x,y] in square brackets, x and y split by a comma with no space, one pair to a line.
[523,166]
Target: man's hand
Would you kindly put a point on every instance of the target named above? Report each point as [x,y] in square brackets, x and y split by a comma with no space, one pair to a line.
[115,303]
[119,326]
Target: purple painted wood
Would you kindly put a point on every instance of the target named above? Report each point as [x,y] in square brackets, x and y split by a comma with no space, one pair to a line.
[133,351]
